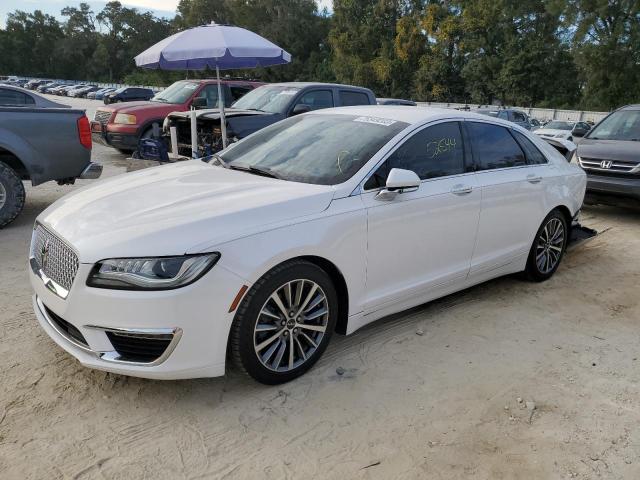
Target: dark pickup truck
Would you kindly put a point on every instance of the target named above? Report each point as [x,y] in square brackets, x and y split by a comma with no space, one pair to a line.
[259,108]
[610,155]
[40,141]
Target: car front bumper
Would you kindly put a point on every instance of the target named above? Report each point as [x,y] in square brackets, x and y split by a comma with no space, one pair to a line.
[195,321]
[618,186]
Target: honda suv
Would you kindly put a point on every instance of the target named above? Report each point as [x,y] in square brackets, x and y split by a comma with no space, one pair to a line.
[610,154]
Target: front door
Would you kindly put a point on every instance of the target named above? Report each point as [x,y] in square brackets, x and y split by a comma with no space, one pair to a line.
[424,239]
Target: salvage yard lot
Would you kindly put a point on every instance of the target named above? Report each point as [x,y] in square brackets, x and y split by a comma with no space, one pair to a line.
[430,393]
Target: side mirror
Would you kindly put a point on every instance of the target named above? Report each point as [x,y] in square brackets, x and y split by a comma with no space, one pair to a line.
[199,102]
[399,181]
[300,108]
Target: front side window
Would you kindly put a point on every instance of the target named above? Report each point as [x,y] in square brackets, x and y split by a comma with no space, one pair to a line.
[317,99]
[436,151]
[494,147]
[519,117]
[534,156]
[210,94]
[349,98]
[322,149]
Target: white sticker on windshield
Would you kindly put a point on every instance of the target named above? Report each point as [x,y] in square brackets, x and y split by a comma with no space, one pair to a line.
[288,92]
[375,120]
[191,86]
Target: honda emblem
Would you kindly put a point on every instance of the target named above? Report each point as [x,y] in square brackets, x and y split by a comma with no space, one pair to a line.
[606,164]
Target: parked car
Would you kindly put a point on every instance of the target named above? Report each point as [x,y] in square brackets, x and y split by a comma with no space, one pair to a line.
[99,95]
[121,126]
[509,114]
[322,222]
[610,154]
[40,141]
[395,101]
[82,92]
[41,88]
[128,94]
[35,83]
[262,107]
[54,90]
[62,91]
[566,130]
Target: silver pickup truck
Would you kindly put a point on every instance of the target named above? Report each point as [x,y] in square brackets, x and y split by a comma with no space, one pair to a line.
[40,141]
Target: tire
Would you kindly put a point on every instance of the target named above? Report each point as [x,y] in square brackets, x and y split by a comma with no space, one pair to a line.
[12,195]
[548,247]
[265,352]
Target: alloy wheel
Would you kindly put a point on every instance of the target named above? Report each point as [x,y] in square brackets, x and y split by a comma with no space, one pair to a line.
[549,246]
[291,325]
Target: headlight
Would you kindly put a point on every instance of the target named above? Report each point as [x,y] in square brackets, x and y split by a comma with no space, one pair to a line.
[125,119]
[153,273]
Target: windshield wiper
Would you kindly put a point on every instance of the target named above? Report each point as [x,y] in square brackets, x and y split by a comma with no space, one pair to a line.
[263,171]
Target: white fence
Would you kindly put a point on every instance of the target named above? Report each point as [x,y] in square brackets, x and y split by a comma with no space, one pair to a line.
[542,114]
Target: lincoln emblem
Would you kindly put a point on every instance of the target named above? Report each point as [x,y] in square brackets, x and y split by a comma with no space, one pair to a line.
[44,254]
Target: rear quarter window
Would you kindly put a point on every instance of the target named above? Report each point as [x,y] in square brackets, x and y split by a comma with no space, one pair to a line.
[350,98]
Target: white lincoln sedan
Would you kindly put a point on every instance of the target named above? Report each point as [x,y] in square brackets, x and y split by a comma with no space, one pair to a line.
[321,223]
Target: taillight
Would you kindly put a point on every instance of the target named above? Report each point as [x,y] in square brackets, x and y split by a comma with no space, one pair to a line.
[84,132]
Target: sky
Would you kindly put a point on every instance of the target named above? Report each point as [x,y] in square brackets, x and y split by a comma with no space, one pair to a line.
[161,8]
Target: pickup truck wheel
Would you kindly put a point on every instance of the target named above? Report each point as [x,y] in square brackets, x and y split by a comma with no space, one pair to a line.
[11,195]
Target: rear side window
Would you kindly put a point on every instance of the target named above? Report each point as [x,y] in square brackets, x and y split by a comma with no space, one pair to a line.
[13,97]
[317,99]
[494,147]
[534,156]
[348,98]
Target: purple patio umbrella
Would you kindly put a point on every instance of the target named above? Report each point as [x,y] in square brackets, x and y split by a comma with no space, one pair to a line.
[223,47]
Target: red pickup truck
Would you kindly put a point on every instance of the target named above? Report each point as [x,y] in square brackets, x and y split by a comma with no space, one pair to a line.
[122,125]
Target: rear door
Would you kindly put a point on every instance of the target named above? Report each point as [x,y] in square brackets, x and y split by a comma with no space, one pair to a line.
[512,195]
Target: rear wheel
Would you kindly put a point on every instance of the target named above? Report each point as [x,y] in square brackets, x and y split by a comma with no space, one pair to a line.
[285,322]
[12,195]
[548,247]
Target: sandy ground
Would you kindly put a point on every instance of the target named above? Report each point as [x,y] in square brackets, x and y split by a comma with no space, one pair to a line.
[443,404]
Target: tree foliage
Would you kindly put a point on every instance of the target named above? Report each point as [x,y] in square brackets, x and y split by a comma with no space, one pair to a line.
[556,53]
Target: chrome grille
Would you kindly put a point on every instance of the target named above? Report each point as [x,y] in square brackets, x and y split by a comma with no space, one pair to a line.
[54,257]
[102,116]
[609,165]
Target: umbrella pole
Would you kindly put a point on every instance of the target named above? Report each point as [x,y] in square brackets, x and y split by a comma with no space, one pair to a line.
[223,120]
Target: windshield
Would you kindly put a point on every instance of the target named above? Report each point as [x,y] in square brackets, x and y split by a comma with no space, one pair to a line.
[178,92]
[272,99]
[560,125]
[324,149]
[621,125]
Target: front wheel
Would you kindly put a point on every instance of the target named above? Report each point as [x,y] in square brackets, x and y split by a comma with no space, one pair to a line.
[548,247]
[12,195]
[285,322]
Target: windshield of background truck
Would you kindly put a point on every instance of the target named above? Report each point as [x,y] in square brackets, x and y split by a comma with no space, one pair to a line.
[621,125]
[177,93]
[272,99]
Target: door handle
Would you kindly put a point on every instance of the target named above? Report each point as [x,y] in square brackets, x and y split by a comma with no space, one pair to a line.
[532,178]
[461,189]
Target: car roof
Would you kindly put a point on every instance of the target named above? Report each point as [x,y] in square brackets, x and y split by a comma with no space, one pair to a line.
[635,106]
[410,115]
[318,84]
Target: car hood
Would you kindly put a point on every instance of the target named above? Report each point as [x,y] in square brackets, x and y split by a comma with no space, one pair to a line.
[174,209]
[142,107]
[622,150]
[553,132]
